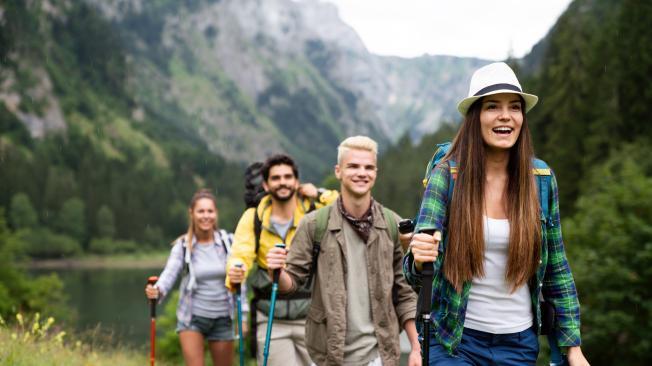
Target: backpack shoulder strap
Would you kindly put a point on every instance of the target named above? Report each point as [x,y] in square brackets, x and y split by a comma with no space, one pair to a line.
[320,230]
[183,255]
[258,229]
[322,223]
[392,227]
[543,176]
[226,239]
[442,150]
[452,166]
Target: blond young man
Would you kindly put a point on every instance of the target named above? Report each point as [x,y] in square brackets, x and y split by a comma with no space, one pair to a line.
[359,298]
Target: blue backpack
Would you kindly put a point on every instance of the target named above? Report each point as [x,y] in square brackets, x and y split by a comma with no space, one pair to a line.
[543,176]
[541,172]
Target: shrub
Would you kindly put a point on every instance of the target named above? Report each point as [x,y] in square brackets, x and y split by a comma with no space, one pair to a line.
[43,243]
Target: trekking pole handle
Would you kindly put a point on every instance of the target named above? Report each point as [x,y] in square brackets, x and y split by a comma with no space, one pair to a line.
[151,280]
[427,271]
[277,272]
[427,266]
[406,226]
[237,285]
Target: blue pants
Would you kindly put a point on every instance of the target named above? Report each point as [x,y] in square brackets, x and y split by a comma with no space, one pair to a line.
[480,348]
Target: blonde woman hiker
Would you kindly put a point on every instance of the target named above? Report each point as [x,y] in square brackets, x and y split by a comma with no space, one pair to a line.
[205,309]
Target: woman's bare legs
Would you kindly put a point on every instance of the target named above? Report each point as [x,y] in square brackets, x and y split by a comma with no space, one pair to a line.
[192,346]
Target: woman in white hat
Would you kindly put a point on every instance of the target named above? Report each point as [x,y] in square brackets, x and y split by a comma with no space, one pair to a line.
[502,250]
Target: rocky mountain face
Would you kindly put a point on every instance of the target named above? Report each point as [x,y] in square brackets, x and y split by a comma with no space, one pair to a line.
[252,77]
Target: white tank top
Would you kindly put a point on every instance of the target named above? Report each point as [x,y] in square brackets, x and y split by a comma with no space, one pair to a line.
[491,307]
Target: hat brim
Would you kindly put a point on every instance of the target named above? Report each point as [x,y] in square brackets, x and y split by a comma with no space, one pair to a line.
[530,100]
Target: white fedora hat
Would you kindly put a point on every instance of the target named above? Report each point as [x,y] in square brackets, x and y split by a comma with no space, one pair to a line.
[494,79]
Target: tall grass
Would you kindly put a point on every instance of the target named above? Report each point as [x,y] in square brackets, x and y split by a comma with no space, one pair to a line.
[39,342]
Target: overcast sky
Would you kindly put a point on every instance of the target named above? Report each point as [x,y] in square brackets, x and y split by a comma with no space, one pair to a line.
[477,28]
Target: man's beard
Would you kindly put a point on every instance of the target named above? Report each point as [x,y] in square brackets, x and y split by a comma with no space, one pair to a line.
[284,198]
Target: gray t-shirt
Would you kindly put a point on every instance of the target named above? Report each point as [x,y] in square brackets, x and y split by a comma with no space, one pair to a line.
[210,298]
[360,345]
[281,228]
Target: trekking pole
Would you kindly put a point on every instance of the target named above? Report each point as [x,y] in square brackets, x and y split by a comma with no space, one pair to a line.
[272,304]
[424,303]
[238,302]
[152,327]
[556,357]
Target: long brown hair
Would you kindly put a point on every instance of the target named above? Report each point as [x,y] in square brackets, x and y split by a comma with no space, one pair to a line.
[465,248]
[202,193]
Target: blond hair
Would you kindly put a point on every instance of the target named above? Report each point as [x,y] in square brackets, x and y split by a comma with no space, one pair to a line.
[356,143]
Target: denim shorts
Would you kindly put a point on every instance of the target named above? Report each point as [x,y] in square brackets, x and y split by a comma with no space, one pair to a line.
[216,329]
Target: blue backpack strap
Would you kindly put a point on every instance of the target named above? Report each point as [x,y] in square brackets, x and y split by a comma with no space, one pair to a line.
[452,165]
[543,176]
[442,150]
[437,157]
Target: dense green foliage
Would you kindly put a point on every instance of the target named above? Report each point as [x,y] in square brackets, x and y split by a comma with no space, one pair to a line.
[17,291]
[610,242]
[594,88]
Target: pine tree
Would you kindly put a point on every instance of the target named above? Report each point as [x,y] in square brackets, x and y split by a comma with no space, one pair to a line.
[22,213]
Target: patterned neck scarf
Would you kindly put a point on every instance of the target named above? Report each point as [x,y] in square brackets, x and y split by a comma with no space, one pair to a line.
[361,226]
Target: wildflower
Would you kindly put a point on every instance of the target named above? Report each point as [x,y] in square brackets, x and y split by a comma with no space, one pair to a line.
[59,337]
[14,336]
[19,317]
[2,321]
[78,344]
[47,324]
[35,326]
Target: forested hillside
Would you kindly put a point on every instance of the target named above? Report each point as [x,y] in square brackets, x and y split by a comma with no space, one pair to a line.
[593,126]
[112,177]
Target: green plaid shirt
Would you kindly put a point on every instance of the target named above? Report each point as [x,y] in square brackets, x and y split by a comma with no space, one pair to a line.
[554,279]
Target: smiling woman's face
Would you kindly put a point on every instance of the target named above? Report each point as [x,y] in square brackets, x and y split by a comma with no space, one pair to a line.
[204,215]
[501,118]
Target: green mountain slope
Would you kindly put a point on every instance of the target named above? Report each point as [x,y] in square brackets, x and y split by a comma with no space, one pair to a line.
[110,152]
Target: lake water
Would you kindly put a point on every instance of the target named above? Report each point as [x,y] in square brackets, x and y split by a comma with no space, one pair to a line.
[111,298]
